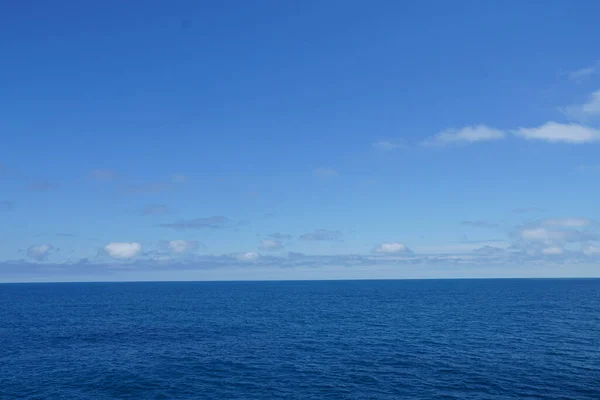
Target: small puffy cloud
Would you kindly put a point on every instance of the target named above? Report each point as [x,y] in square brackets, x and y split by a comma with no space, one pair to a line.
[554,132]
[215,222]
[6,205]
[479,224]
[248,256]
[280,236]
[392,248]
[325,172]
[271,244]
[385,145]
[589,109]
[181,246]
[323,235]
[123,250]
[543,235]
[468,134]
[590,250]
[39,252]
[552,251]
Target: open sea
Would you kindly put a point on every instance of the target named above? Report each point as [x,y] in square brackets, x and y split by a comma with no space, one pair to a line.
[417,339]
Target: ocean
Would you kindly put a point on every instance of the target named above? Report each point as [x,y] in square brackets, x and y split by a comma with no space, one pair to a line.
[411,339]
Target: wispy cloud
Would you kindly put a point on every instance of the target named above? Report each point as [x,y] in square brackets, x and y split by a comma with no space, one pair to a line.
[180,246]
[215,222]
[322,235]
[554,132]
[586,111]
[584,73]
[280,236]
[465,135]
[271,244]
[479,224]
[386,145]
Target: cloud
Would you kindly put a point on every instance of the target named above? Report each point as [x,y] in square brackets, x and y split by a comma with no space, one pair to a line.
[325,173]
[6,205]
[385,145]
[552,251]
[555,132]
[247,256]
[100,174]
[489,250]
[479,224]
[587,110]
[280,236]
[323,235]
[39,252]
[391,248]
[584,73]
[215,222]
[545,236]
[181,246]
[468,134]
[123,250]
[566,222]
[271,244]
[154,210]
[590,250]
[42,186]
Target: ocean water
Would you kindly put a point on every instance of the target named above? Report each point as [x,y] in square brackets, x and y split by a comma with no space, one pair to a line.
[446,339]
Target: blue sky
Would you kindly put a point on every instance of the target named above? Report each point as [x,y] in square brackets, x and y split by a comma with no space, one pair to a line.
[299,140]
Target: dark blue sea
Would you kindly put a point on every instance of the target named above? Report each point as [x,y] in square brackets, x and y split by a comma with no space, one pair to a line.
[442,339]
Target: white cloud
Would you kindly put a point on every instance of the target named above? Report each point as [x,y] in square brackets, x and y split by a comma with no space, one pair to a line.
[543,235]
[181,246]
[587,110]
[325,172]
[123,249]
[468,134]
[590,250]
[391,248]
[271,244]
[39,252]
[552,251]
[386,145]
[248,256]
[566,222]
[584,73]
[555,132]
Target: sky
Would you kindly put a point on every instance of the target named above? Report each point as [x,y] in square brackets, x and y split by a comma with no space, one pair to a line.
[234,140]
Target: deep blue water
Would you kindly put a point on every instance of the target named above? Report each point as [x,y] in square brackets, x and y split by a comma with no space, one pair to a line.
[450,339]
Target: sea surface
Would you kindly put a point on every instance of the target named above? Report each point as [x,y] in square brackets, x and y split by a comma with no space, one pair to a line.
[417,339]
